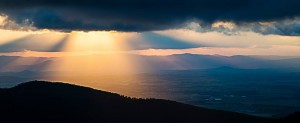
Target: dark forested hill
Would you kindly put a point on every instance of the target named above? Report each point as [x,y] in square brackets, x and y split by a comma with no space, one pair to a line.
[46,102]
[293,118]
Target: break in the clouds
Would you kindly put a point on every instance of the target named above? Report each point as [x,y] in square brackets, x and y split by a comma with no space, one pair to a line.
[149,15]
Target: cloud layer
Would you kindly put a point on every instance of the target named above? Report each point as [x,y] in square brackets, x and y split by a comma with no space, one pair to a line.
[148,15]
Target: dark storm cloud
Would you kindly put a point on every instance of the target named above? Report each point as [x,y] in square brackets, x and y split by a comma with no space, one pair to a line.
[144,15]
[287,27]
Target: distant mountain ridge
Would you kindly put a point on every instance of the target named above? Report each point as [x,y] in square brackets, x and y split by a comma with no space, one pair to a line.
[48,102]
[156,63]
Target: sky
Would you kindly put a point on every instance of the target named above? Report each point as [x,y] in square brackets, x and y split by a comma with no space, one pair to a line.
[57,28]
[98,37]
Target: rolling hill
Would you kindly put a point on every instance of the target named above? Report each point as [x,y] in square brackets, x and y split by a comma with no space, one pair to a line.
[48,102]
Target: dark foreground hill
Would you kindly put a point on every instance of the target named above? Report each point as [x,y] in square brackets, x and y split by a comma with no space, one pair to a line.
[46,102]
[293,118]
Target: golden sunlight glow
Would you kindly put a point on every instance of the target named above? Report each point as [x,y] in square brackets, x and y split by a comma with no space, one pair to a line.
[44,40]
[8,36]
[20,64]
[2,20]
[274,50]
[84,58]
[106,59]
[86,67]
[219,24]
